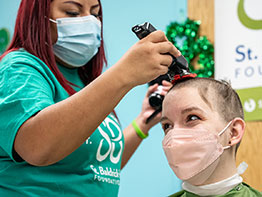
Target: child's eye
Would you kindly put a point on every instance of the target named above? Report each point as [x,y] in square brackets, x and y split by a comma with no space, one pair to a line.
[192,118]
[166,127]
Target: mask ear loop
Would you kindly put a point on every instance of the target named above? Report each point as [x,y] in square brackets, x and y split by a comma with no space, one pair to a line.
[53,20]
[221,132]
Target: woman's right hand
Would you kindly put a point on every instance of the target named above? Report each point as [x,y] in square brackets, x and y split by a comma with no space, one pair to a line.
[66,125]
[147,59]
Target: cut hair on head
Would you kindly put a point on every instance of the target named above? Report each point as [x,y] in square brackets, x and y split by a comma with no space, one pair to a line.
[219,95]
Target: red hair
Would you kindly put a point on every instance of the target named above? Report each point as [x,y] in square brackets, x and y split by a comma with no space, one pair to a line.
[32,32]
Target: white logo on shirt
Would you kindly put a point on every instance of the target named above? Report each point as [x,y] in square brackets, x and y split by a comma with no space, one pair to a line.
[111,142]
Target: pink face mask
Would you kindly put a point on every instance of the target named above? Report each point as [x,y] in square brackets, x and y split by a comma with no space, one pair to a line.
[190,151]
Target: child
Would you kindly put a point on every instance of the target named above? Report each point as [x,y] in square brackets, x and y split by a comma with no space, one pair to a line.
[203,123]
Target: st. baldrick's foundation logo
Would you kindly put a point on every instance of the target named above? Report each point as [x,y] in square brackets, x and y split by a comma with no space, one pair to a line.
[245,19]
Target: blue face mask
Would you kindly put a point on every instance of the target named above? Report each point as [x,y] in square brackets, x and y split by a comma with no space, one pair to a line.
[78,39]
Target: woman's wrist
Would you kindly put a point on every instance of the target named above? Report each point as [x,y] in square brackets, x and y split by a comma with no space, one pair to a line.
[123,77]
[118,75]
[138,131]
[141,122]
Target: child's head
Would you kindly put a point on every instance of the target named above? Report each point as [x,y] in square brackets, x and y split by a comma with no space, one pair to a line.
[202,107]
[217,94]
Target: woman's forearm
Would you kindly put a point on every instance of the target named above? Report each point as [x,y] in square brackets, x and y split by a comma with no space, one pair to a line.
[64,126]
[132,140]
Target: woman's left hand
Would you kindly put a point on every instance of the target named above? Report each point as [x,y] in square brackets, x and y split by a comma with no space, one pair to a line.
[147,110]
[132,140]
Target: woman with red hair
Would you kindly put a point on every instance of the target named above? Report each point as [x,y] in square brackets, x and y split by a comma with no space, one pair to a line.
[58,135]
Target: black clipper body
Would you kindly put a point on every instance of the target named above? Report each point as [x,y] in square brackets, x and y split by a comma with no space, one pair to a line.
[177,70]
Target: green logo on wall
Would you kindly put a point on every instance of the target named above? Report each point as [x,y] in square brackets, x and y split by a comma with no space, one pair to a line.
[4,39]
[251,99]
[245,19]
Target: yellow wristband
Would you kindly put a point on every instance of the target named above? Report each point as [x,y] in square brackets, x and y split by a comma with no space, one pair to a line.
[140,133]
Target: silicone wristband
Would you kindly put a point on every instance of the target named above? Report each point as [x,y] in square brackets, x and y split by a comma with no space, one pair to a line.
[140,133]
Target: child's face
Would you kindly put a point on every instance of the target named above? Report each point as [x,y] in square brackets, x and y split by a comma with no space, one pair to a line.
[184,108]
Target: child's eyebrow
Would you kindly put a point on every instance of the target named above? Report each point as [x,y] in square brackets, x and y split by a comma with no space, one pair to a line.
[191,109]
[163,118]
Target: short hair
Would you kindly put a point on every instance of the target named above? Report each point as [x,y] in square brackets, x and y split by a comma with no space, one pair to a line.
[218,94]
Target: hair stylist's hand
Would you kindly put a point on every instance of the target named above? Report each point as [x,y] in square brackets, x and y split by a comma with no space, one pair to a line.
[147,59]
[147,110]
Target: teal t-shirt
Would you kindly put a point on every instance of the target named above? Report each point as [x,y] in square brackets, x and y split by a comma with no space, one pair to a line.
[241,190]
[26,87]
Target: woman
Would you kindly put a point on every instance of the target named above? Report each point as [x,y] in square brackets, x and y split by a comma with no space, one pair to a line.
[58,135]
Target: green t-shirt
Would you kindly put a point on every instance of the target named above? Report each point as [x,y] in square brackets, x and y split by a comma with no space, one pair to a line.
[26,87]
[241,190]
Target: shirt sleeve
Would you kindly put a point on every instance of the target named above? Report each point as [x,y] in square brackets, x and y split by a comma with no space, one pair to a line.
[24,91]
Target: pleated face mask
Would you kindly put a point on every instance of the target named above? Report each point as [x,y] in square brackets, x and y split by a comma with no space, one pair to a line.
[78,39]
[190,151]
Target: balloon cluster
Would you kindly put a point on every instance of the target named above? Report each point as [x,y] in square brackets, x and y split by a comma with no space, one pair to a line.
[186,38]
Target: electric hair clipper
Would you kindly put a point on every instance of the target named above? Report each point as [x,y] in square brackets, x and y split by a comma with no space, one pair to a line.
[178,69]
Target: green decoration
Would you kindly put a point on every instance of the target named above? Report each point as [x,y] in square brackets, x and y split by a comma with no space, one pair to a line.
[185,37]
[4,39]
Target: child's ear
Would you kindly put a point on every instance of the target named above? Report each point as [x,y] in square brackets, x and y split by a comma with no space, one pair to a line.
[237,131]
